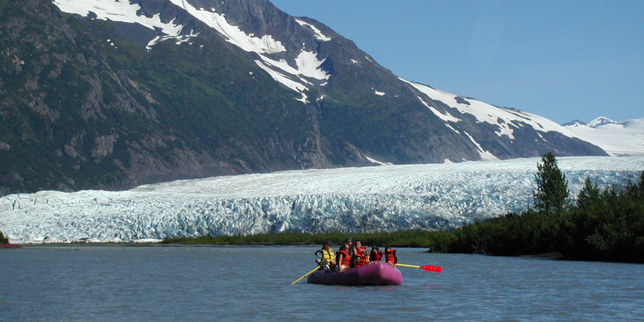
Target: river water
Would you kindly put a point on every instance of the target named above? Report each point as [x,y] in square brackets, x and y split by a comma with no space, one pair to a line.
[143,283]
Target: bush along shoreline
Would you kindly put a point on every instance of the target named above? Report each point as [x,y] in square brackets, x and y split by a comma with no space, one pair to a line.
[418,239]
[599,225]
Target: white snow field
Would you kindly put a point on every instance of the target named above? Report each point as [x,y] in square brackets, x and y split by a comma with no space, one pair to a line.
[616,138]
[379,198]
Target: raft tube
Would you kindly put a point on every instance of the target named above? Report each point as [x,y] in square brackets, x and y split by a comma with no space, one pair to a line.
[376,273]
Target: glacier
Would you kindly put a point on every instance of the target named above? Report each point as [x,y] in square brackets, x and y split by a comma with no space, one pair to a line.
[378,198]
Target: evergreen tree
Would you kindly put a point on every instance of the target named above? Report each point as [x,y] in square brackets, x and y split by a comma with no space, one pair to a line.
[3,240]
[640,187]
[589,195]
[552,194]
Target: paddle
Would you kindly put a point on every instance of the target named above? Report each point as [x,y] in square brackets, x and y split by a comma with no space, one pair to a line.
[429,268]
[305,275]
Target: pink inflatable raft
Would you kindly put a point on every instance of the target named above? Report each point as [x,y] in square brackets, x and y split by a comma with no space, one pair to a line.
[376,273]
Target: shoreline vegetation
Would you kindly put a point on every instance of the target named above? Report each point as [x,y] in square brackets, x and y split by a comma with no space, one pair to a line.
[599,225]
[3,240]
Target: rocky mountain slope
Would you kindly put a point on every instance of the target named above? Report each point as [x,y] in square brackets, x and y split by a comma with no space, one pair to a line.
[113,94]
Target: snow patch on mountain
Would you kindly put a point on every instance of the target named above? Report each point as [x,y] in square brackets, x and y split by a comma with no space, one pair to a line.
[308,66]
[382,198]
[297,77]
[234,35]
[505,119]
[284,80]
[123,11]
[178,36]
[374,161]
[485,155]
[574,123]
[318,34]
[616,138]
[443,116]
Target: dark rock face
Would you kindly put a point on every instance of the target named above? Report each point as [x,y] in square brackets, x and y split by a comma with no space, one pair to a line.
[84,103]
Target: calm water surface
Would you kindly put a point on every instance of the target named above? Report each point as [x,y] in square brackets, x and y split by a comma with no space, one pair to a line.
[131,283]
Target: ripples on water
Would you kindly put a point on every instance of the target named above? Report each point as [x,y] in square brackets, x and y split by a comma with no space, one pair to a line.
[129,283]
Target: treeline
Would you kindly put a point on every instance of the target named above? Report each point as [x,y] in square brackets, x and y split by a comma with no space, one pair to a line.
[399,239]
[601,224]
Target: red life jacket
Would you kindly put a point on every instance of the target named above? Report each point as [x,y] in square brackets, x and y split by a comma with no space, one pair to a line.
[376,257]
[346,258]
[358,260]
[390,256]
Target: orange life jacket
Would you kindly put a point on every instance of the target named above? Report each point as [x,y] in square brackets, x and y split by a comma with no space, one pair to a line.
[346,259]
[358,260]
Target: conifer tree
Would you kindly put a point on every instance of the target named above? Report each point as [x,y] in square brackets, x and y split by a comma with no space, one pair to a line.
[589,195]
[640,187]
[552,194]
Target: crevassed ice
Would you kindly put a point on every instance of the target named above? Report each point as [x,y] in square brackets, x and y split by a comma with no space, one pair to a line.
[383,198]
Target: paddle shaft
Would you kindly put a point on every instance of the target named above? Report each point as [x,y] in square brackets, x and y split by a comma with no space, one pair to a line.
[428,268]
[305,275]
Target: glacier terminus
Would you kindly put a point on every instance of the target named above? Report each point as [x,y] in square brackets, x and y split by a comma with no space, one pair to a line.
[366,199]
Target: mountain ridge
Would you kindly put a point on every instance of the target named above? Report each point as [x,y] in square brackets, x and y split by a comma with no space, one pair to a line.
[112,95]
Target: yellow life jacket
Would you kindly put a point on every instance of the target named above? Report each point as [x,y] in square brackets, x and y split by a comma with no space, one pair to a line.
[328,256]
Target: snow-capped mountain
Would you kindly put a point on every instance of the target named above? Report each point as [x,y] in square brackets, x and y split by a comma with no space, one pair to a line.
[601,121]
[616,138]
[386,198]
[114,94]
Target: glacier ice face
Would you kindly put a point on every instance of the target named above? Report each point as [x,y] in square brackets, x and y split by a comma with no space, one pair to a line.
[383,198]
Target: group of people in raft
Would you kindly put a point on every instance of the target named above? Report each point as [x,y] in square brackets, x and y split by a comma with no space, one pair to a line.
[352,255]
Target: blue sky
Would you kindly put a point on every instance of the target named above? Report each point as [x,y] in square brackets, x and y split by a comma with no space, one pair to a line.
[563,60]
